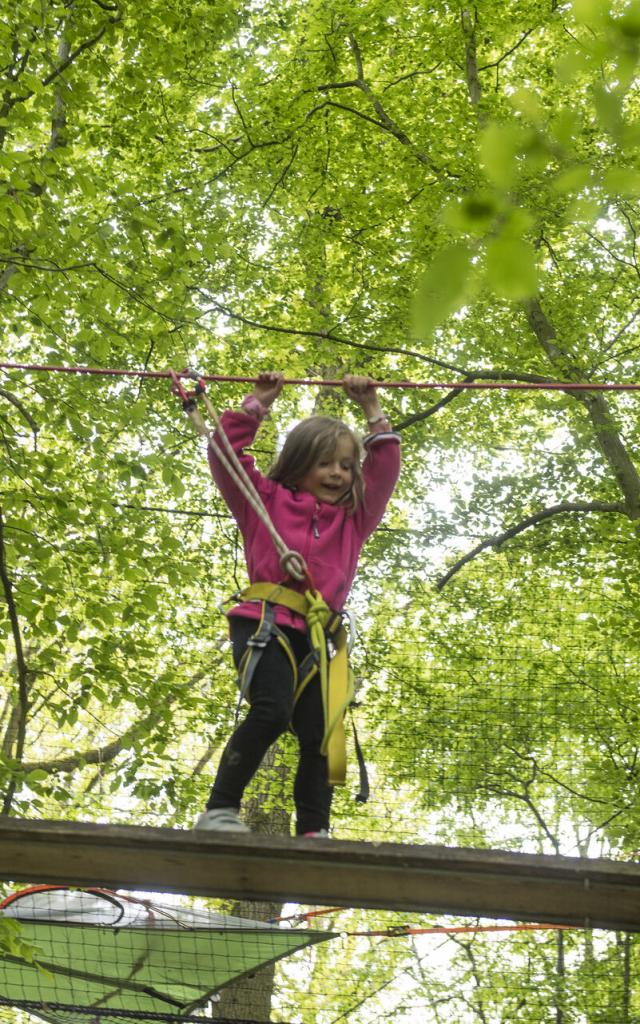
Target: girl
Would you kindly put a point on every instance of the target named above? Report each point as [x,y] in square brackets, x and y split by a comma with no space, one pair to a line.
[325,504]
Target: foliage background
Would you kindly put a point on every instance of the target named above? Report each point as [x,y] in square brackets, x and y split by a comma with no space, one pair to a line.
[424,193]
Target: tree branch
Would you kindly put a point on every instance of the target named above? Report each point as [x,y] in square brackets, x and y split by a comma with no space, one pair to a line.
[629,264]
[526,798]
[607,346]
[88,43]
[59,117]
[241,116]
[96,755]
[412,74]
[21,665]
[355,84]
[103,755]
[531,760]
[530,378]
[19,406]
[554,510]
[281,178]
[498,62]
[350,110]
[182,189]
[386,123]
[10,102]
[326,335]
[469,23]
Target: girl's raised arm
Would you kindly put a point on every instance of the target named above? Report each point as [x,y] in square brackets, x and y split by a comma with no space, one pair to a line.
[240,428]
[382,463]
[267,387]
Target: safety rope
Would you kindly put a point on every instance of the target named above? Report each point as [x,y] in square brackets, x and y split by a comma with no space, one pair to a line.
[456,385]
[291,562]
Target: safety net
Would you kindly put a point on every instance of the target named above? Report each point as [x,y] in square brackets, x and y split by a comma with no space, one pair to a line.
[111,955]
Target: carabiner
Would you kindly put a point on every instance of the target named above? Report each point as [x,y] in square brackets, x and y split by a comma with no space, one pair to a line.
[188,398]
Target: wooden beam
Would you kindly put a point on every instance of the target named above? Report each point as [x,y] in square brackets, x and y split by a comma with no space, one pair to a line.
[435,879]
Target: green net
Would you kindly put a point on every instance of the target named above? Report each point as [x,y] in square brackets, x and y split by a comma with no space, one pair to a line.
[125,957]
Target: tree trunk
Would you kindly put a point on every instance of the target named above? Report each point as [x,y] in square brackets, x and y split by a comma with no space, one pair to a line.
[250,997]
[606,429]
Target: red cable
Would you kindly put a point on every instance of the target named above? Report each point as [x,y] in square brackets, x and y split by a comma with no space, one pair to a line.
[396,933]
[450,385]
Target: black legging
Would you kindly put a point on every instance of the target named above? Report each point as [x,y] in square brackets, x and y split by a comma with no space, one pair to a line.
[270,712]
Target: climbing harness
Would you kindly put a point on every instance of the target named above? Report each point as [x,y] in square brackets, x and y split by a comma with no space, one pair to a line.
[328,638]
[328,658]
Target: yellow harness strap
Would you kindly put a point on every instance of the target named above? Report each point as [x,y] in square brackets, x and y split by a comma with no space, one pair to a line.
[336,677]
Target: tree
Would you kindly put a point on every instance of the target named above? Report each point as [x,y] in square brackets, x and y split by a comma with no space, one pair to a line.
[322,189]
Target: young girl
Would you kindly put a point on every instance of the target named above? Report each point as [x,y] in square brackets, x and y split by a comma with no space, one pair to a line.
[325,505]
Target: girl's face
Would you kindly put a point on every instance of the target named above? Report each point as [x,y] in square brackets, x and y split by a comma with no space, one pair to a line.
[331,476]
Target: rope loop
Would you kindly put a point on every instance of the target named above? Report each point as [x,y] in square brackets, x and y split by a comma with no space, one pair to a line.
[293,563]
[318,611]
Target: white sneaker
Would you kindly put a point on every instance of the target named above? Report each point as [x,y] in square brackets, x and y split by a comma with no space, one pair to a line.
[320,834]
[221,819]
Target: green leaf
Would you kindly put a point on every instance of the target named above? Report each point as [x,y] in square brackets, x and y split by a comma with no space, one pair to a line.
[137,412]
[608,103]
[629,21]
[590,12]
[511,268]
[565,127]
[100,347]
[442,288]
[572,64]
[622,181]
[19,215]
[499,146]
[527,103]
[474,214]
[583,211]
[572,180]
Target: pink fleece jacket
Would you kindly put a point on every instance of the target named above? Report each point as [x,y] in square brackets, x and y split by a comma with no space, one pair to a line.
[328,537]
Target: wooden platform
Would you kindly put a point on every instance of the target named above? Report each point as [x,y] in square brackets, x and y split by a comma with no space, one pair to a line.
[438,879]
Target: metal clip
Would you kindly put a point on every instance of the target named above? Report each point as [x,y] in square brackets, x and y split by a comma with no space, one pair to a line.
[352,632]
[227,600]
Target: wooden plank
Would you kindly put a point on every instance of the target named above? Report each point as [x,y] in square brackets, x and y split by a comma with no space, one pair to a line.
[436,879]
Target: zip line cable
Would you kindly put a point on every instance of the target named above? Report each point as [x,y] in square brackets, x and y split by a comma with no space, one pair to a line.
[467,385]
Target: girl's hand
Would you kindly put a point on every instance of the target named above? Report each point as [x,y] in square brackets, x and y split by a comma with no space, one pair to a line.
[358,388]
[268,386]
[363,391]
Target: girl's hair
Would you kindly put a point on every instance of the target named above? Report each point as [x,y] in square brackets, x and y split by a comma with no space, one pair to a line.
[306,444]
